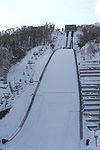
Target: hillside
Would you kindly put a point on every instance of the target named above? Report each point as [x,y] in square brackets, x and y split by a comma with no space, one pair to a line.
[23,79]
[28,70]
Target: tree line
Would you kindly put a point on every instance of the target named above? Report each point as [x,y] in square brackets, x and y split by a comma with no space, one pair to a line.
[90,33]
[19,40]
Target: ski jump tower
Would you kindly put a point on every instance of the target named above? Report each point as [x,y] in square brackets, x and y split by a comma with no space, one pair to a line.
[70,29]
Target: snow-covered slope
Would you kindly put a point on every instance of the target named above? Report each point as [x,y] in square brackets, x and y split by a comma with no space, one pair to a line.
[58,39]
[53,122]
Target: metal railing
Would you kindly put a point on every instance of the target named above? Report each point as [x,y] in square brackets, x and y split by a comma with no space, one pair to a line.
[80,98]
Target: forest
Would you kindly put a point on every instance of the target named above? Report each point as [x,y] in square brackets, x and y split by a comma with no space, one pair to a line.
[19,40]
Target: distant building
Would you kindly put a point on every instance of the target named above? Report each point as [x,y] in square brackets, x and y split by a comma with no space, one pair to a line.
[4,60]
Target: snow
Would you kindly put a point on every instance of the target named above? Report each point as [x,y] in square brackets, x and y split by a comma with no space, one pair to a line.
[60,73]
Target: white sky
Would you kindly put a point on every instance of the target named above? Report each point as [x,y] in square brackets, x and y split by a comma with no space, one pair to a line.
[16,13]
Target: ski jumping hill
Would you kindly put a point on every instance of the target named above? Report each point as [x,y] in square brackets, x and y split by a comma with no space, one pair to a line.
[53,120]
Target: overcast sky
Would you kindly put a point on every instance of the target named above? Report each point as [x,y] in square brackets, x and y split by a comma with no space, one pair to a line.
[16,13]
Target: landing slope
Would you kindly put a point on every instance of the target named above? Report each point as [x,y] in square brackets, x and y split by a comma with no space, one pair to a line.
[53,122]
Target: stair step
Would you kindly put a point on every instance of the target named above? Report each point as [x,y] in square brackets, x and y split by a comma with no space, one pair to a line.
[93,120]
[91,90]
[92,127]
[91,61]
[89,72]
[91,95]
[90,65]
[88,75]
[89,68]
[95,109]
[94,99]
[95,115]
[92,115]
[91,104]
[90,86]
[93,84]
[90,82]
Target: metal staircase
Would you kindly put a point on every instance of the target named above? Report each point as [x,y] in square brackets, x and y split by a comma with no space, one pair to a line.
[89,72]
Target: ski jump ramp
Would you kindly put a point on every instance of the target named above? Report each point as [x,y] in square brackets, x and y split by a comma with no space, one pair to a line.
[53,121]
